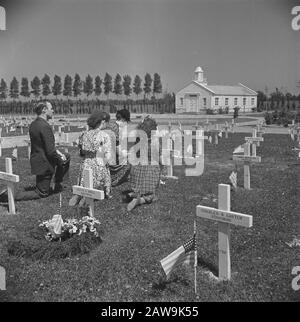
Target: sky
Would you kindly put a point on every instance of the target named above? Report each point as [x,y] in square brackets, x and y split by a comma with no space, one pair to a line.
[234,41]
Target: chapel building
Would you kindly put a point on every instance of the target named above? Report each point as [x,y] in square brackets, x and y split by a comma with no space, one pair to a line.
[198,96]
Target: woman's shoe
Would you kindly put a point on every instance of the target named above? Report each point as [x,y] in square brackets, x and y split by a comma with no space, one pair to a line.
[74,200]
[132,204]
[135,202]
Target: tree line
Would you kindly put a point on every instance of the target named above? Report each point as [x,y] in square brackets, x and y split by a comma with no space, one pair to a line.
[277,100]
[76,87]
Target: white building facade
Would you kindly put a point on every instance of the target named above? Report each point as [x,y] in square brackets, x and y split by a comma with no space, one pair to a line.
[198,96]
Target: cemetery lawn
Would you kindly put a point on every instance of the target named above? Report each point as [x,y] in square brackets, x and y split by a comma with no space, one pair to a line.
[126,265]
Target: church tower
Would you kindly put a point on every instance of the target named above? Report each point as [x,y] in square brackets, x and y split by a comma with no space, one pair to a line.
[198,76]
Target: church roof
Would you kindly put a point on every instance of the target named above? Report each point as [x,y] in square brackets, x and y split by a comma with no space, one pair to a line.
[228,89]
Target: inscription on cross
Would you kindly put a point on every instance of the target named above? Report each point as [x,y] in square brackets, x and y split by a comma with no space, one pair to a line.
[88,192]
[225,218]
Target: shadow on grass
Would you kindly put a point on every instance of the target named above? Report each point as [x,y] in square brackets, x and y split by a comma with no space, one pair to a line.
[162,283]
[4,207]
[208,265]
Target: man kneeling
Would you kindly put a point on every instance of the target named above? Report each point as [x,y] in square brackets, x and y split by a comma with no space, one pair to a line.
[45,159]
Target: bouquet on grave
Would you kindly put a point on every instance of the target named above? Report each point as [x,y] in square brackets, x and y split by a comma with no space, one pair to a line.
[58,230]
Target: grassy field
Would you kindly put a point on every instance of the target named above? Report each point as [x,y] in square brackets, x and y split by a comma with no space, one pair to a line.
[126,267]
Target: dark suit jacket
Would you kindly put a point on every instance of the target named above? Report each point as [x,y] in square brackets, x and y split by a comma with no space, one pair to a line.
[43,157]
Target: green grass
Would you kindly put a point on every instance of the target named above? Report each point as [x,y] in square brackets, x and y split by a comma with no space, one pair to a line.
[125,266]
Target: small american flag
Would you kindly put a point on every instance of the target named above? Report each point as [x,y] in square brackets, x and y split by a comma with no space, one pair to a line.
[233,179]
[183,254]
[292,136]
[239,149]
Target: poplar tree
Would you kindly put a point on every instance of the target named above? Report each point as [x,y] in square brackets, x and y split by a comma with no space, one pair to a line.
[98,83]
[118,85]
[67,86]
[14,88]
[88,86]
[107,84]
[147,84]
[157,86]
[137,83]
[57,86]
[77,86]
[46,85]
[3,89]
[35,85]
[25,87]
[127,85]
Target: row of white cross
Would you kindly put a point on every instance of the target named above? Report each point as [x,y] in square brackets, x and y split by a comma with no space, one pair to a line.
[223,215]
[199,135]
[249,157]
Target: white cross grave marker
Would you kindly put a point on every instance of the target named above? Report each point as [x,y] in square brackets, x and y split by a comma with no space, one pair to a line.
[294,129]
[226,128]
[225,218]
[254,141]
[88,191]
[2,279]
[10,179]
[232,125]
[28,147]
[216,131]
[260,131]
[247,159]
[1,142]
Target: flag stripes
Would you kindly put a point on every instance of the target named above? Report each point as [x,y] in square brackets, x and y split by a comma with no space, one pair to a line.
[182,254]
[239,149]
[233,179]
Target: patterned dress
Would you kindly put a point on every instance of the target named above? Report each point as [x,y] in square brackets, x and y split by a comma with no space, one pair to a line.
[144,179]
[95,147]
